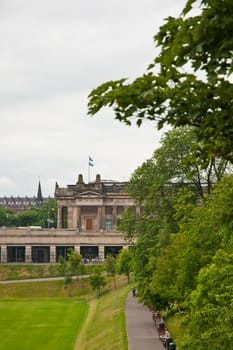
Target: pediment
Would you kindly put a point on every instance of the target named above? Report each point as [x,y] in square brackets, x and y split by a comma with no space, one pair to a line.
[90,194]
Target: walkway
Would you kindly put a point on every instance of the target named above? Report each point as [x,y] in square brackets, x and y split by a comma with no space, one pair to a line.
[142,334]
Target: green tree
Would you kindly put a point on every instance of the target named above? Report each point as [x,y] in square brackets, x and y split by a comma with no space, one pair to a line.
[128,223]
[28,218]
[6,217]
[64,271]
[204,228]
[111,267]
[48,214]
[97,279]
[69,267]
[125,262]
[74,262]
[188,83]
[169,186]
[211,314]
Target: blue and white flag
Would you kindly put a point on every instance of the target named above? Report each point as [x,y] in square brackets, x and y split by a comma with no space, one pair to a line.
[91,162]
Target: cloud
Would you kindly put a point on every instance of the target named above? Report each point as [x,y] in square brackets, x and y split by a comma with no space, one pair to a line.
[53,53]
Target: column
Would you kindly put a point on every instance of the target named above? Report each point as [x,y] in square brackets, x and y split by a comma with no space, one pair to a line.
[59,217]
[114,216]
[101,215]
[79,219]
[77,249]
[101,253]
[52,254]
[28,254]
[70,217]
[75,218]
[3,253]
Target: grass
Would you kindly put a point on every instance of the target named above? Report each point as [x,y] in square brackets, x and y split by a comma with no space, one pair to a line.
[40,324]
[44,315]
[46,289]
[105,326]
[178,330]
[21,271]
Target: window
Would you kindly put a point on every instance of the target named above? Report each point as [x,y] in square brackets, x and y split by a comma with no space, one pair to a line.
[108,210]
[108,225]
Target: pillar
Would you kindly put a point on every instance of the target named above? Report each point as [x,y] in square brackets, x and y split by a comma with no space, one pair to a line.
[70,218]
[77,249]
[114,216]
[28,254]
[3,253]
[101,216]
[59,217]
[101,253]
[52,254]
[79,219]
[75,218]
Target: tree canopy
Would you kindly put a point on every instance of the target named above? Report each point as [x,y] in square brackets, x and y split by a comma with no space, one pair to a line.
[183,228]
[188,83]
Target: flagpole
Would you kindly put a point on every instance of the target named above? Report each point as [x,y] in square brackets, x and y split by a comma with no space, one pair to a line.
[90,163]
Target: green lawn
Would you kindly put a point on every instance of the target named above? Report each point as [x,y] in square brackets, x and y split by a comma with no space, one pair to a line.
[41,324]
[104,327]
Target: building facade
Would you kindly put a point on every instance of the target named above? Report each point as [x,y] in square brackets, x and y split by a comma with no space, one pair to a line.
[19,204]
[91,207]
[87,219]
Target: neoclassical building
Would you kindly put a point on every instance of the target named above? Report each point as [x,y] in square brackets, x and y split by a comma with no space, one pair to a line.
[91,207]
[87,219]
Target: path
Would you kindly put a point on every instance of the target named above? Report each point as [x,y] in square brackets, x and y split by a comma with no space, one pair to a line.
[42,279]
[142,334]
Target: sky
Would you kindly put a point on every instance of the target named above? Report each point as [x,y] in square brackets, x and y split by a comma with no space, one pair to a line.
[52,54]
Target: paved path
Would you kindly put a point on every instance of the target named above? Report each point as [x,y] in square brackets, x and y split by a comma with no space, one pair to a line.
[42,279]
[142,334]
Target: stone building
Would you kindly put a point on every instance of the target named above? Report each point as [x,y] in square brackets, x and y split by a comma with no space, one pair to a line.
[91,207]
[87,218]
[19,204]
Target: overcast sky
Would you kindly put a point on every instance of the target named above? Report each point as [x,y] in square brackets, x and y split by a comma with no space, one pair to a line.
[52,54]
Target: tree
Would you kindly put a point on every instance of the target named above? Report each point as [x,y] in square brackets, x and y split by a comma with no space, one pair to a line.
[128,223]
[204,229]
[70,267]
[110,265]
[125,263]
[64,271]
[171,186]
[97,279]
[211,306]
[47,214]
[6,217]
[74,261]
[188,83]
[28,218]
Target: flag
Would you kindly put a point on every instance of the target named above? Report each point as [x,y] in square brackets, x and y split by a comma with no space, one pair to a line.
[91,161]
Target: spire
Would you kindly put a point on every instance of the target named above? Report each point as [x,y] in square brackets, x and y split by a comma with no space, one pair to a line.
[39,194]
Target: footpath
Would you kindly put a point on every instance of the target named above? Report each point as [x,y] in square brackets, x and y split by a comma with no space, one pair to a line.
[142,334]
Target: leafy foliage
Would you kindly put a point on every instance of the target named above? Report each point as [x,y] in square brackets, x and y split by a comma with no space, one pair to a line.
[44,216]
[69,267]
[188,83]
[97,279]
[111,267]
[125,263]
